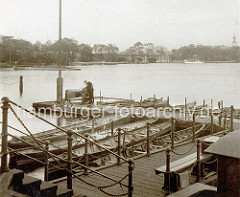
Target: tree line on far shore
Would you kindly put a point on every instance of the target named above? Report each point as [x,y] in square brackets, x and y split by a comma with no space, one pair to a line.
[19,51]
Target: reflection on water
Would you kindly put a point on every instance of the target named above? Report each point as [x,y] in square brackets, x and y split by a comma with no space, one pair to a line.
[194,81]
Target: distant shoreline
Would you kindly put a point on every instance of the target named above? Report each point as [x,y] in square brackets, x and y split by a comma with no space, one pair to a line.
[5,65]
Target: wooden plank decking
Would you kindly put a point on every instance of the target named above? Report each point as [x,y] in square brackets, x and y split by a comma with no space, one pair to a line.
[146,183]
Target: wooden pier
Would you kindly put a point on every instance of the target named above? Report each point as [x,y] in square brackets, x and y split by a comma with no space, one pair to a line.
[145,182]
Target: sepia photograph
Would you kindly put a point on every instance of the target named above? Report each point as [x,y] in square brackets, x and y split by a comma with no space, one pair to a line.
[136,98]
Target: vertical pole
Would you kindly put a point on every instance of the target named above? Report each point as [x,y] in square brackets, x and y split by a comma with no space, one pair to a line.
[193,127]
[86,154]
[198,160]
[5,107]
[112,128]
[231,119]
[130,181]
[211,115]
[46,161]
[148,139]
[93,124]
[100,97]
[204,104]
[168,172]
[173,133]
[222,106]
[211,107]
[60,79]
[168,101]
[220,120]
[69,167]
[185,109]
[219,105]
[21,85]
[225,121]
[119,146]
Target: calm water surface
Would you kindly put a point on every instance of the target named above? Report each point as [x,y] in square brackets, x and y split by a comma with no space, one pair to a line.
[194,81]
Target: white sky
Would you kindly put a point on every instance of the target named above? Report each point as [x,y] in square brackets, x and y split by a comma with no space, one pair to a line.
[171,23]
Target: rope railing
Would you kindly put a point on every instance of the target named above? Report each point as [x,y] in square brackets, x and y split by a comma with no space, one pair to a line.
[75,133]
[15,114]
[19,153]
[59,158]
[184,152]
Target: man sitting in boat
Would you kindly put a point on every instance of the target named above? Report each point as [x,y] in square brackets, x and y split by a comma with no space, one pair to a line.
[85,94]
[88,91]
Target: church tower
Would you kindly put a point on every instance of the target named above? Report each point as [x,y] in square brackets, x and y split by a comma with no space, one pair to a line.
[234,41]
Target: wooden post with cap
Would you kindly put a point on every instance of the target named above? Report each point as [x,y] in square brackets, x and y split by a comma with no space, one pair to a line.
[86,154]
[112,128]
[5,107]
[212,126]
[193,128]
[225,121]
[231,118]
[69,166]
[198,160]
[167,183]
[173,133]
[185,109]
[130,181]
[119,146]
[46,165]
[148,139]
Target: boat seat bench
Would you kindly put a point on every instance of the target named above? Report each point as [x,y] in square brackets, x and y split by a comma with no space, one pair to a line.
[178,167]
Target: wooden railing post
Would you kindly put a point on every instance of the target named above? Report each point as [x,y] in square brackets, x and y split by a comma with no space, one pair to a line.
[204,104]
[198,160]
[193,127]
[46,165]
[225,121]
[93,124]
[185,109]
[211,116]
[5,107]
[130,181]
[220,120]
[211,107]
[173,133]
[119,146]
[112,128]
[148,140]
[69,166]
[168,172]
[168,102]
[231,119]
[219,105]
[222,106]
[86,154]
